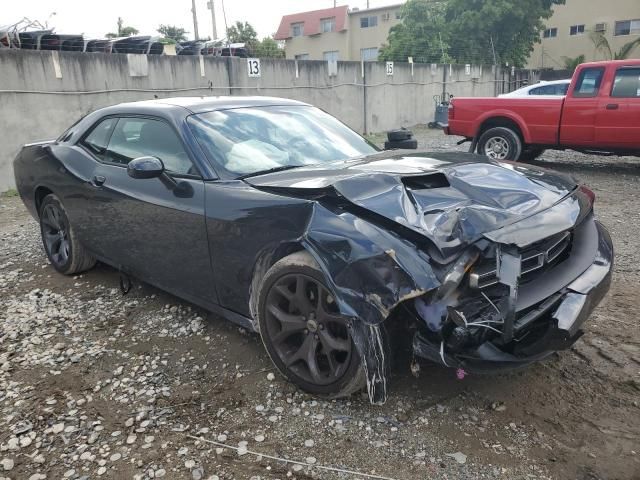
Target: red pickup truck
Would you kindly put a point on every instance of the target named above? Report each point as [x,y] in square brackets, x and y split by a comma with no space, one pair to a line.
[600,114]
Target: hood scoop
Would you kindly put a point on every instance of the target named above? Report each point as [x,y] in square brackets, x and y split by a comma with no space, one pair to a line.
[426,182]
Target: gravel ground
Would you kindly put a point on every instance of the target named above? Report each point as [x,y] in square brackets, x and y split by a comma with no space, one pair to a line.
[94,384]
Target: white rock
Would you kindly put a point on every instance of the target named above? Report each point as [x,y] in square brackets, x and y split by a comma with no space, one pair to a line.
[115,457]
[129,422]
[25,441]
[189,464]
[310,460]
[102,470]
[259,438]
[459,457]
[161,472]
[183,451]
[57,428]
[38,476]
[271,377]
[7,464]
[69,473]
[309,443]
[13,443]
[222,437]
[39,459]
[131,438]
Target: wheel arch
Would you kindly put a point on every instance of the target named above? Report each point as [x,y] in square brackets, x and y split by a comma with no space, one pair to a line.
[506,120]
[39,194]
[264,261]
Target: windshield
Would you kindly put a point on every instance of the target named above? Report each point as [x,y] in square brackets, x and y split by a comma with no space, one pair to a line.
[248,141]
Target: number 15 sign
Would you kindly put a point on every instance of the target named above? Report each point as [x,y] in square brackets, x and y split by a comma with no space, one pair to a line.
[253,67]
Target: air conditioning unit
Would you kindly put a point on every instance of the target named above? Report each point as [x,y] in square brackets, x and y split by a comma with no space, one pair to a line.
[601,27]
[385,17]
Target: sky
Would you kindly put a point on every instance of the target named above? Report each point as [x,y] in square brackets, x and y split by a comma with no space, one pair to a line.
[96,18]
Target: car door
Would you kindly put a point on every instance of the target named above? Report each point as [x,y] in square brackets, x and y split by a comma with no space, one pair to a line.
[618,122]
[580,108]
[144,226]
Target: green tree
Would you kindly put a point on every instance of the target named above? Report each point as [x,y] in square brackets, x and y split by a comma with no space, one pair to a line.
[268,48]
[122,30]
[468,31]
[602,45]
[572,63]
[242,33]
[421,34]
[500,31]
[176,34]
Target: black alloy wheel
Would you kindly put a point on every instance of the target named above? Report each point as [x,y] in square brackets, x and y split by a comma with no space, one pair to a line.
[55,234]
[306,336]
[63,249]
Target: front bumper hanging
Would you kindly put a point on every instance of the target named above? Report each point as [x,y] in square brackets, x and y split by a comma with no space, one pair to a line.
[565,310]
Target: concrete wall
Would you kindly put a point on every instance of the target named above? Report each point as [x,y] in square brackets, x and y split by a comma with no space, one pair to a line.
[42,93]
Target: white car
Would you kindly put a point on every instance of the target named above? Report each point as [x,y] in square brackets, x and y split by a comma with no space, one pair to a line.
[548,89]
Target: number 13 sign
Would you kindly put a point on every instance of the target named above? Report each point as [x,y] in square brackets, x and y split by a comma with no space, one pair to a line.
[253,67]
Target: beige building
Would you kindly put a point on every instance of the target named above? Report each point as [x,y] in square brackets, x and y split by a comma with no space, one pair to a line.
[569,31]
[337,33]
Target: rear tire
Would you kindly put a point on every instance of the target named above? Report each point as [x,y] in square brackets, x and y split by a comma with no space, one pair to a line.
[305,335]
[500,143]
[65,252]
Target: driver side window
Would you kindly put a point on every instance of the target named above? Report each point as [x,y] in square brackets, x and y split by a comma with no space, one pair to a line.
[139,137]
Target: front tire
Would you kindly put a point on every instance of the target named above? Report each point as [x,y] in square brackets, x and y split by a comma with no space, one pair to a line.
[61,245]
[500,143]
[305,335]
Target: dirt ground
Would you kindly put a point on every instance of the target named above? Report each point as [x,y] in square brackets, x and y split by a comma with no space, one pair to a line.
[94,384]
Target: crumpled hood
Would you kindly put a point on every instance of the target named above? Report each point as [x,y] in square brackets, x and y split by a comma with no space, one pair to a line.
[451,197]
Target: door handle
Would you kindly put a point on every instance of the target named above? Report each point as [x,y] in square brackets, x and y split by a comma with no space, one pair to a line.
[612,106]
[98,180]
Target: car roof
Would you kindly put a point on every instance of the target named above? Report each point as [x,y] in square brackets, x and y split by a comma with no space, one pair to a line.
[208,104]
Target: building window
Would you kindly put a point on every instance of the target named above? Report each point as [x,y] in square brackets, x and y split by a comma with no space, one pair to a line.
[369,54]
[328,25]
[302,56]
[628,27]
[366,22]
[551,33]
[398,15]
[331,56]
[297,29]
[576,30]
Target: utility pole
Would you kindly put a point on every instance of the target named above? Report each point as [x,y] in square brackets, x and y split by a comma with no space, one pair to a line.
[211,6]
[195,20]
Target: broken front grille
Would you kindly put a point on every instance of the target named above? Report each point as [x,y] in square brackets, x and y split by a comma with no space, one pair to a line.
[534,258]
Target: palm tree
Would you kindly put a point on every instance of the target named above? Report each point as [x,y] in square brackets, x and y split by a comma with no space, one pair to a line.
[572,63]
[602,45]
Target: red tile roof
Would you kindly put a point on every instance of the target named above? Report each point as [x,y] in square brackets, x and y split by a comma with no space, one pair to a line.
[311,21]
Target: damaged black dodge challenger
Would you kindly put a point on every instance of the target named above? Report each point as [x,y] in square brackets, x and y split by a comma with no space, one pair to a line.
[278,217]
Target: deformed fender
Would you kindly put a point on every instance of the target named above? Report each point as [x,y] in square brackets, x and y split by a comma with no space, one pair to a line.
[370,270]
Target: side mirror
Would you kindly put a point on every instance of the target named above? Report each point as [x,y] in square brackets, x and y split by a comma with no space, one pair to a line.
[145,167]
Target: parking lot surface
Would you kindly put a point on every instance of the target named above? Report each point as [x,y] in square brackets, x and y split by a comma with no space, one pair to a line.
[94,384]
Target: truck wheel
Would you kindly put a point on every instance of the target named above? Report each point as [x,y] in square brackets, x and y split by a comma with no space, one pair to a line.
[529,154]
[305,335]
[500,143]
